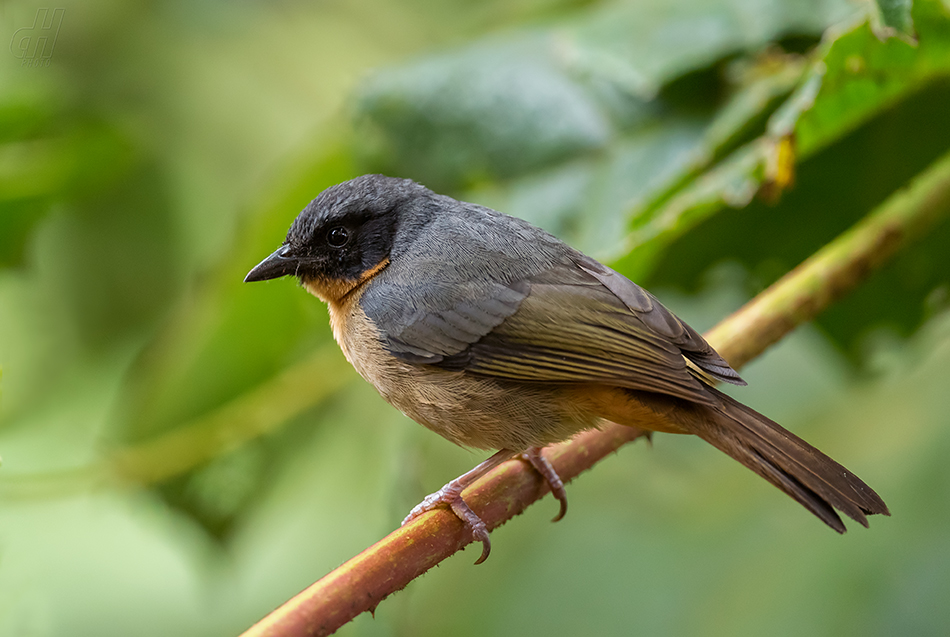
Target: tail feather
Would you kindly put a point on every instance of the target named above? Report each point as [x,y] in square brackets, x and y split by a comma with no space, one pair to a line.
[813,479]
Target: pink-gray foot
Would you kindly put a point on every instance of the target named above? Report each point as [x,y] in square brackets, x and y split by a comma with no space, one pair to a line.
[542,466]
[451,494]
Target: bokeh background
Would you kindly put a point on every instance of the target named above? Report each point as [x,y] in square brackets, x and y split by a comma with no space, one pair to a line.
[183,452]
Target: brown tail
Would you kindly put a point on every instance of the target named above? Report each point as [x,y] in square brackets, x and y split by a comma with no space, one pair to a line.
[816,481]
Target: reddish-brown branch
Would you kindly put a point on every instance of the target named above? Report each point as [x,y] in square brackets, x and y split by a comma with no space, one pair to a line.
[387,566]
[408,552]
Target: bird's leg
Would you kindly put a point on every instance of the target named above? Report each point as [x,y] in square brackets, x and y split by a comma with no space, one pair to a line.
[451,495]
[542,466]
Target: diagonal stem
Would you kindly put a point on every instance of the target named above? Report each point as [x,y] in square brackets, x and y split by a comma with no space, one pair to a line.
[390,564]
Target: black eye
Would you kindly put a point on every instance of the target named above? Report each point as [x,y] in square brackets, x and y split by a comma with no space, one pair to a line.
[338,237]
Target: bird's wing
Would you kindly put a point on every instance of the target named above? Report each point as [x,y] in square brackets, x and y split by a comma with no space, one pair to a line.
[435,321]
[574,322]
[662,322]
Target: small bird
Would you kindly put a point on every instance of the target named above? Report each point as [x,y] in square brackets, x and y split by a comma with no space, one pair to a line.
[496,335]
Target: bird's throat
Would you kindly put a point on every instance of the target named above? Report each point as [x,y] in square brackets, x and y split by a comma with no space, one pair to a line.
[336,291]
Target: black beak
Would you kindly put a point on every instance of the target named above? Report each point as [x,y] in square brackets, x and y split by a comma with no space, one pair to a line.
[278,264]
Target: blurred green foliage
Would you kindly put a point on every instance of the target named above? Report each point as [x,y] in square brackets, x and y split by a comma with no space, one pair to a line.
[181,453]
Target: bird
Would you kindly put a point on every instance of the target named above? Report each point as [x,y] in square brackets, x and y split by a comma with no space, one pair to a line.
[497,335]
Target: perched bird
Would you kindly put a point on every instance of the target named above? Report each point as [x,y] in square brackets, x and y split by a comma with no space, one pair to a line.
[496,335]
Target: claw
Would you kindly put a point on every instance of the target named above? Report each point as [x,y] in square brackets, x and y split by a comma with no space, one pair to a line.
[474,524]
[451,495]
[543,466]
[442,497]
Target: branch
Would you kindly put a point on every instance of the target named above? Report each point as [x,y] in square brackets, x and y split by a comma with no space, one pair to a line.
[836,269]
[408,552]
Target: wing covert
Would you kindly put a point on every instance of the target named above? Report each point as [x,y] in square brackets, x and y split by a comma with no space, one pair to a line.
[421,331]
[576,321]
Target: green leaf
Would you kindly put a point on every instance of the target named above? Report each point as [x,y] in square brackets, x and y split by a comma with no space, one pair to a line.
[894,19]
[528,100]
[499,108]
[863,76]
[854,77]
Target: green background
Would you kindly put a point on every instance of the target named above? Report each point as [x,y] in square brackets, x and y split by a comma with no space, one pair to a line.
[183,452]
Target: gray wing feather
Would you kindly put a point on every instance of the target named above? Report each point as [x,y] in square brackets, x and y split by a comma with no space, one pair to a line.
[580,332]
[428,336]
[663,322]
[549,315]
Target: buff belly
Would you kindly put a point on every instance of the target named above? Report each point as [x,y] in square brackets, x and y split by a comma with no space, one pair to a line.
[472,411]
